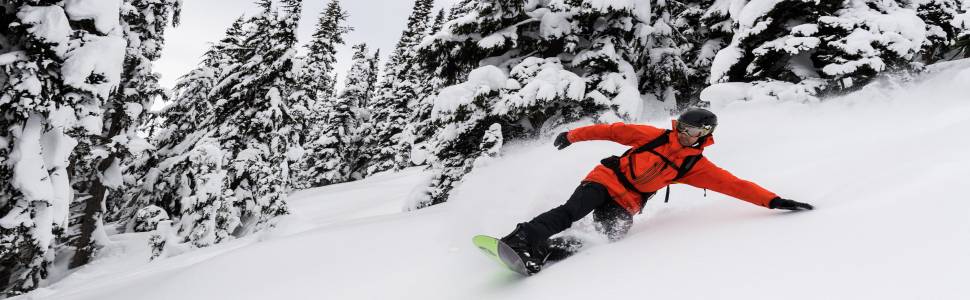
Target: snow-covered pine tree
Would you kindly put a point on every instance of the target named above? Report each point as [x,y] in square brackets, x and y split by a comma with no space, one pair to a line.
[823,46]
[454,50]
[143,23]
[858,43]
[334,156]
[461,123]
[447,136]
[229,177]
[414,31]
[940,30]
[459,9]
[317,78]
[961,25]
[677,49]
[60,61]
[384,147]
[665,70]
[418,130]
[461,113]
[166,172]
[373,75]
[707,27]
[321,50]
[261,116]
[606,52]
[439,20]
[773,40]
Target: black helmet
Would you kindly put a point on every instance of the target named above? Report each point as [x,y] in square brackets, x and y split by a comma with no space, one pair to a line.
[699,118]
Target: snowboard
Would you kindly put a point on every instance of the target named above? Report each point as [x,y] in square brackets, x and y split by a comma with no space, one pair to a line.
[501,252]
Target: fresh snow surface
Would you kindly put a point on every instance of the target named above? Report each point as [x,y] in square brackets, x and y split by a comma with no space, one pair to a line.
[885,168]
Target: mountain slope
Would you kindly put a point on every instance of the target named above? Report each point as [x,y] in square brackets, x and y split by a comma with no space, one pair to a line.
[885,167]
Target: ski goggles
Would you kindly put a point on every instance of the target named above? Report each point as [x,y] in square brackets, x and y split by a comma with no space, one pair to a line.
[694,131]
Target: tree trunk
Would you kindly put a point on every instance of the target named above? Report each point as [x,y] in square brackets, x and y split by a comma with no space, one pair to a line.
[84,245]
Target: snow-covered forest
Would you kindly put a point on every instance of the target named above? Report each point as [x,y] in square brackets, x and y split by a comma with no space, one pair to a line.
[259,142]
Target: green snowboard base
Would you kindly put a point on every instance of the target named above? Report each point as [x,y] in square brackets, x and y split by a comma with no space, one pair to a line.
[501,252]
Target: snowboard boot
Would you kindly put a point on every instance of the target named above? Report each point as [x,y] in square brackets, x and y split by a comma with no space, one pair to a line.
[533,253]
[562,247]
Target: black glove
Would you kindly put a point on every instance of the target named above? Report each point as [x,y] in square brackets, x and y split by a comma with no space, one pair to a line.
[562,141]
[780,203]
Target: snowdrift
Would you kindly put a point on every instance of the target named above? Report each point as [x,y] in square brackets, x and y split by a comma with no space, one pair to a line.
[886,168]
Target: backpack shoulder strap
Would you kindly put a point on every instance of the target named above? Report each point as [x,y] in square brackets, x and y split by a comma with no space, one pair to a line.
[660,140]
[688,164]
[648,147]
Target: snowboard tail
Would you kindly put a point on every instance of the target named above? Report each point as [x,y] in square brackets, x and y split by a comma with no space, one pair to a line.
[501,252]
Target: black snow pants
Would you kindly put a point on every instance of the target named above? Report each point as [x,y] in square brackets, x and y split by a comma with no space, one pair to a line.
[609,217]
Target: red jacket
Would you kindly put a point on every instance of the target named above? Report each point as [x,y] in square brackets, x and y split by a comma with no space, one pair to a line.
[650,170]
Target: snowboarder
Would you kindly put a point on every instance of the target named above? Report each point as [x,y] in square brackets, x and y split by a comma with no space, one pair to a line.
[617,189]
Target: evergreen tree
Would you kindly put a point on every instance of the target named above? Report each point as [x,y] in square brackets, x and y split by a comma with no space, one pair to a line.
[418,130]
[462,118]
[940,30]
[384,149]
[230,175]
[334,156]
[144,23]
[182,126]
[779,40]
[457,49]
[665,67]
[961,24]
[370,81]
[322,49]
[269,135]
[677,49]
[413,33]
[439,20]
[58,71]
[707,27]
[318,81]
[826,46]
[460,9]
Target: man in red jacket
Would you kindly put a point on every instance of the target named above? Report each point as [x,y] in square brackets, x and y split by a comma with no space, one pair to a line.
[618,188]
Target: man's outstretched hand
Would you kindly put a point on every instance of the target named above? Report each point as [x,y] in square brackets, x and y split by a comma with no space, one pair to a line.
[781,203]
[562,141]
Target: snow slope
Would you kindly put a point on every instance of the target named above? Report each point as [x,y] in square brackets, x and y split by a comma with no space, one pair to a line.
[886,168]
